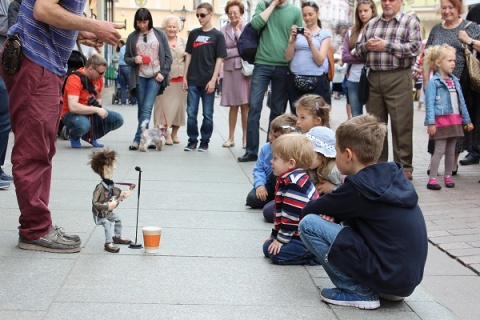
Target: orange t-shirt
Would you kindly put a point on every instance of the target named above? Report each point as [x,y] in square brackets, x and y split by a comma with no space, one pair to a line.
[74,87]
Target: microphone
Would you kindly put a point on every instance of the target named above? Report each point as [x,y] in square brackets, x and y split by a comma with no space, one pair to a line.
[137,168]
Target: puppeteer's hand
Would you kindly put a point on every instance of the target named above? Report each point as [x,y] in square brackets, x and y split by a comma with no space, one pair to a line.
[126,194]
[107,32]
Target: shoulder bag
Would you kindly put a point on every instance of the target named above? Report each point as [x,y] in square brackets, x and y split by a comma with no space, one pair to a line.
[331,64]
[363,86]
[247,68]
[473,66]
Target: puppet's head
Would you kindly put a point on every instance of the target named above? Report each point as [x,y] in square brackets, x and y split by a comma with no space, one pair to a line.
[103,163]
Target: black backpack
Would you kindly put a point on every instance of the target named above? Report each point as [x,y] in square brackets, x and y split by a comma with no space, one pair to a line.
[247,44]
[76,60]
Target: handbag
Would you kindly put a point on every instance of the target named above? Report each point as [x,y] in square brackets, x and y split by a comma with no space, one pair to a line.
[110,73]
[473,66]
[305,83]
[247,68]
[363,86]
[331,64]
[12,55]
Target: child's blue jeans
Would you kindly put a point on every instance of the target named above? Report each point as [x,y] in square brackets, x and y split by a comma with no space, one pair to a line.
[292,253]
[318,235]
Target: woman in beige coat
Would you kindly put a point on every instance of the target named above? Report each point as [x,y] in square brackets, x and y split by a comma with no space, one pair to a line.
[170,107]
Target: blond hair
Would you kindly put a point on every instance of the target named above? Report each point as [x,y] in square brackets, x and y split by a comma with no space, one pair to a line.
[435,53]
[364,135]
[295,146]
[316,106]
[284,123]
[96,61]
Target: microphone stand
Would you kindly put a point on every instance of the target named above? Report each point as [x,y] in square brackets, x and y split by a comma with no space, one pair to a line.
[139,245]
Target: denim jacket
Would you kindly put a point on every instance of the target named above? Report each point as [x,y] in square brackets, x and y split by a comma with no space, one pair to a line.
[437,100]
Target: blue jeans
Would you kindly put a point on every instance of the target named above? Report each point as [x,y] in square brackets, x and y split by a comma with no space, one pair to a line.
[124,76]
[196,93]
[292,253]
[323,90]
[261,77]
[355,106]
[318,235]
[146,92]
[80,124]
[4,122]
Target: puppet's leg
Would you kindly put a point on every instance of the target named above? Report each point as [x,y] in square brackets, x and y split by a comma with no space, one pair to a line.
[114,218]
[118,239]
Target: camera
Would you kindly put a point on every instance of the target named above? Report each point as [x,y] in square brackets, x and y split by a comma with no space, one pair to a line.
[93,102]
[300,30]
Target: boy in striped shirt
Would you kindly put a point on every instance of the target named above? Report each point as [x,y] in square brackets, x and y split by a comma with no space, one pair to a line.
[292,155]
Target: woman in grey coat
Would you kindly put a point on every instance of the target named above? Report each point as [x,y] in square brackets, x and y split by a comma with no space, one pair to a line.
[149,56]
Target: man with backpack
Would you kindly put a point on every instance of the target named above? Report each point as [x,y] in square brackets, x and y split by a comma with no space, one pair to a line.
[82,110]
[274,20]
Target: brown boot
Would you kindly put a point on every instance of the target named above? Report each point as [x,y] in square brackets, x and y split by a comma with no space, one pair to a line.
[111,248]
[121,240]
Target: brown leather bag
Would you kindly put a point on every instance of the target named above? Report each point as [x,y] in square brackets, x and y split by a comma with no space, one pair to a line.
[331,64]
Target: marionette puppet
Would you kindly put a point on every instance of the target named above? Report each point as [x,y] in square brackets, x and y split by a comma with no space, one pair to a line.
[107,197]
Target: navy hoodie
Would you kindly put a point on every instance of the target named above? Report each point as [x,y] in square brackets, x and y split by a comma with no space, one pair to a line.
[384,242]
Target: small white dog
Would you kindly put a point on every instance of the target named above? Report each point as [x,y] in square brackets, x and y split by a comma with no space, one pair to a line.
[151,137]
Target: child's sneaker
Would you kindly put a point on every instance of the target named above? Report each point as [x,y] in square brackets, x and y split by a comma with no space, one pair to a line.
[449,182]
[433,184]
[343,298]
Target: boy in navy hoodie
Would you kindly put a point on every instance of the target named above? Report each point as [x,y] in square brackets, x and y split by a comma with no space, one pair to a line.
[369,233]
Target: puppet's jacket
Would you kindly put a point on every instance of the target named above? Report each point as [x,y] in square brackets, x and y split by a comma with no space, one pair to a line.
[101,196]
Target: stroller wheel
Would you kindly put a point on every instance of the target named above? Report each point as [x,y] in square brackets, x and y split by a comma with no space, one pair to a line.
[65,133]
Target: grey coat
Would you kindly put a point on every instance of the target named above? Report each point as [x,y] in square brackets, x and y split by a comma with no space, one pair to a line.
[164,53]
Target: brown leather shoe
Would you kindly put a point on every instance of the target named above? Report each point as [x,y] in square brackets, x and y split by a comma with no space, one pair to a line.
[111,248]
[408,175]
[121,240]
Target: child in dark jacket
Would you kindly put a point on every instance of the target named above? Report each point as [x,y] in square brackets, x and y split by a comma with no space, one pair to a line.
[369,234]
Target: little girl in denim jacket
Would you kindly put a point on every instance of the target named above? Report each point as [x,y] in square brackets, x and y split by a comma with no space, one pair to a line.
[445,112]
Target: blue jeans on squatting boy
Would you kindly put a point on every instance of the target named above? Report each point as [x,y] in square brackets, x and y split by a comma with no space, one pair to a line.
[292,253]
[195,93]
[261,78]
[146,92]
[79,124]
[355,106]
[318,235]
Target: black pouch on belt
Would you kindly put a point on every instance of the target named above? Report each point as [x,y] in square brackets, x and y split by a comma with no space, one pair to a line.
[12,55]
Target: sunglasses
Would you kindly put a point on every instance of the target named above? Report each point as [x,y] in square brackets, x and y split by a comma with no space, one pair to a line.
[310,4]
[145,38]
[99,73]
[201,15]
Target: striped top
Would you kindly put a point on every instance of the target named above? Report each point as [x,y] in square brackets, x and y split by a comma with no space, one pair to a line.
[292,192]
[47,46]
[404,41]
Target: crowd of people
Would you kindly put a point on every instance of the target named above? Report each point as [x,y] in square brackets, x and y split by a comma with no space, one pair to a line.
[332,196]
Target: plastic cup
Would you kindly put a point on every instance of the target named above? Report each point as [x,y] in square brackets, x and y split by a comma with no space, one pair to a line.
[151,238]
